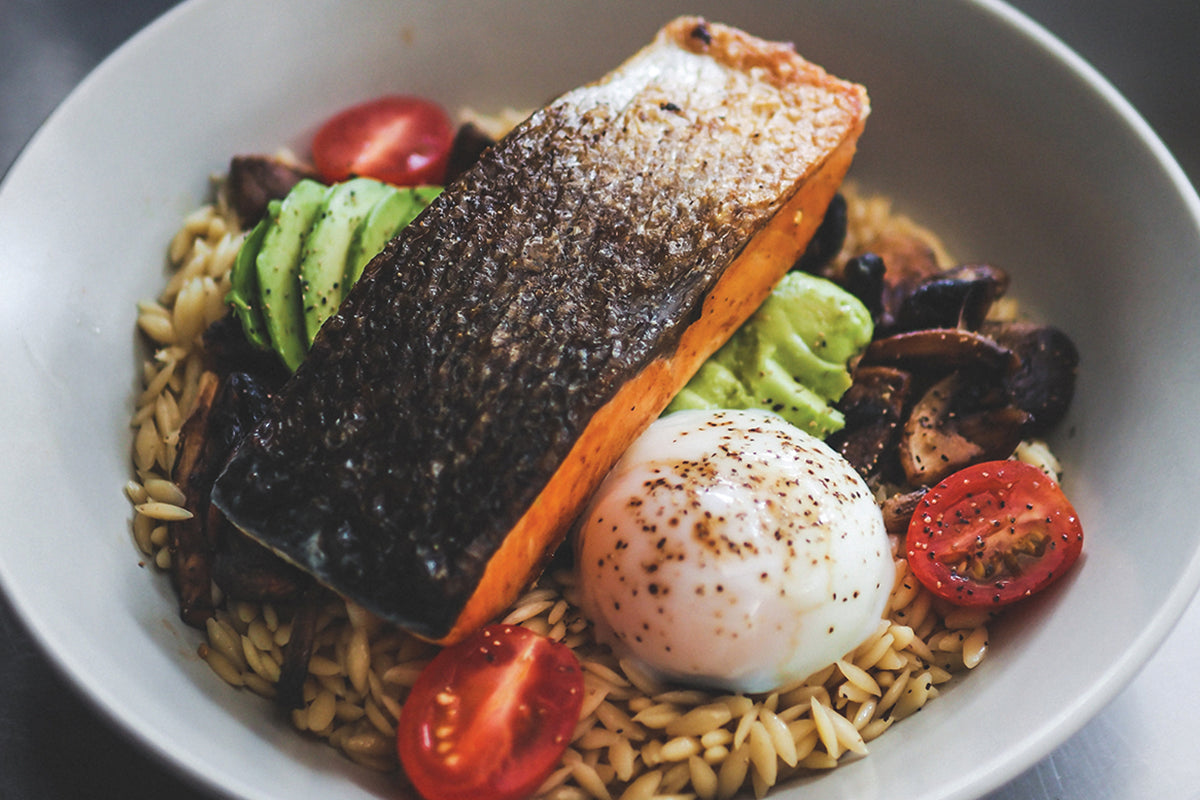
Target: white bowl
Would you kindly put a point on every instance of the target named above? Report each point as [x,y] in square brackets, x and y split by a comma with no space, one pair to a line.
[983,126]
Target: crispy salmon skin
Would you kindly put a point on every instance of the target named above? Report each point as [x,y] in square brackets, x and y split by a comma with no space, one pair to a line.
[502,352]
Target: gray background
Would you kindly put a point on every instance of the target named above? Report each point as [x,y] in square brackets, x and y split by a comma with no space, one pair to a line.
[53,745]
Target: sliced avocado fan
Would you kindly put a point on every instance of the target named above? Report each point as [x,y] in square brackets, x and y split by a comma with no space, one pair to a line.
[295,267]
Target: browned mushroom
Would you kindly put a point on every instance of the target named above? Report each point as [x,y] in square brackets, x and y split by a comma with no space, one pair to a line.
[1044,383]
[191,549]
[910,261]
[873,408]
[939,350]
[469,143]
[293,670]
[224,411]
[227,349]
[959,297]
[245,570]
[940,437]
[890,268]
[207,550]
[898,509]
[910,258]
[254,181]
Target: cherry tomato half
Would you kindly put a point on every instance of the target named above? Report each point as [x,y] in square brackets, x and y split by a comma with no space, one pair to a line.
[396,139]
[992,534]
[490,716]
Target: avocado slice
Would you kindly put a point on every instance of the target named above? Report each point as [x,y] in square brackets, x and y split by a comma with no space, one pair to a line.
[380,225]
[323,258]
[277,265]
[297,264]
[388,217]
[243,292]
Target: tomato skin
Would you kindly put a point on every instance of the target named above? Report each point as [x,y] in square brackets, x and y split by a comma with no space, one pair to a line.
[992,534]
[490,716]
[396,139]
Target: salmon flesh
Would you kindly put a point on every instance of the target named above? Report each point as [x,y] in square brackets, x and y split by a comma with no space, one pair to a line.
[499,355]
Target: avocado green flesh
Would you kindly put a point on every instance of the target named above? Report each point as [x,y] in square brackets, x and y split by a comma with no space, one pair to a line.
[387,218]
[278,264]
[326,246]
[297,264]
[790,357]
[243,291]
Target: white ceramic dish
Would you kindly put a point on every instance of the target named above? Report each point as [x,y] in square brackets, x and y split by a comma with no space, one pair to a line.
[983,126]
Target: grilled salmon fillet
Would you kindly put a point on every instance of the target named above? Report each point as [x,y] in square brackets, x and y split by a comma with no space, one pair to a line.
[502,352]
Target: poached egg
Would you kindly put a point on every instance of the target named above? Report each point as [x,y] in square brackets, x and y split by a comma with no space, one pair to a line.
[731,549]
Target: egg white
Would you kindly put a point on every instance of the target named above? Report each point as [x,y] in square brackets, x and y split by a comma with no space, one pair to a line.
[731,549]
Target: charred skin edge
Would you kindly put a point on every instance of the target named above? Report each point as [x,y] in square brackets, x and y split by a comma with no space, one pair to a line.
[540,522]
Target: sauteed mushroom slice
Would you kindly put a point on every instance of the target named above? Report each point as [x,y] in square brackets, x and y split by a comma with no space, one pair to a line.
[959,297]
[469,143]
[997,431]
[898,509]
[256,180]
[245,570]
[873,408]
[224,411]
[227,349]
[1044,383]
[941,349]
[930,448]
[191,548]
[910,261]
[942,435]
[289,689]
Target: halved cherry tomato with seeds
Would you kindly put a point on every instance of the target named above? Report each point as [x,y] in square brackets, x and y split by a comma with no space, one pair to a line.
[396,139]
[491,716]
[992,534]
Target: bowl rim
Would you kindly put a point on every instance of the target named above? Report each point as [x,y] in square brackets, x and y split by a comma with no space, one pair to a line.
[1036,747]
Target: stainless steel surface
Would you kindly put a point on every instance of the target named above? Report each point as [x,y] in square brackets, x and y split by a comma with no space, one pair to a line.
[53,745]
